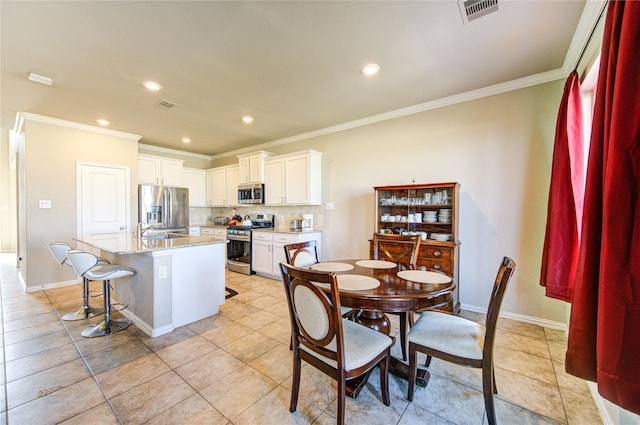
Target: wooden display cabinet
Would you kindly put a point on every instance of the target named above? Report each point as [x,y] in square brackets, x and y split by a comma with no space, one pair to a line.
[430,210]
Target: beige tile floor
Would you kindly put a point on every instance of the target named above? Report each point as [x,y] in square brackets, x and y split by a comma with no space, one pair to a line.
[235,368]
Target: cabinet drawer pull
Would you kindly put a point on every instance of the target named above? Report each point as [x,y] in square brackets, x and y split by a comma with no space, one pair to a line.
[437,266]
[437,254]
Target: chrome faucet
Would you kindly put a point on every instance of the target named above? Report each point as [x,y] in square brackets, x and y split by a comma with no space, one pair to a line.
[141,229]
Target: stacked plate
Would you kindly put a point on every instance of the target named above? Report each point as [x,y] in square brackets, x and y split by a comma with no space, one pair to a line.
[444,215]
[442,237]
[430,216]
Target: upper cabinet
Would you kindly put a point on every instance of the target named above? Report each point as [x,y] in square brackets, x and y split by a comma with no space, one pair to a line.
[293,179]
[159,170]
[196,181]
[252,167]
[222,186]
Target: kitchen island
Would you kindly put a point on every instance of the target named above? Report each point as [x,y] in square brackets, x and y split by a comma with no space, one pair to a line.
[178,280]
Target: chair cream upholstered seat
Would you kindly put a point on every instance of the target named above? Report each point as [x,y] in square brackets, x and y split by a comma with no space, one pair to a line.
[449,334]
[340,348]
[59,252]
[361,345]
[86,265]
[461,341]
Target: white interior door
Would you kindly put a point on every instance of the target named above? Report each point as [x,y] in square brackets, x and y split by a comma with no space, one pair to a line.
[103,199]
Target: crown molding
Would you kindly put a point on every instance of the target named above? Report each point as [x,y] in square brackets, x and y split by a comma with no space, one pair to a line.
[21,117]
[173,151]
[508,86]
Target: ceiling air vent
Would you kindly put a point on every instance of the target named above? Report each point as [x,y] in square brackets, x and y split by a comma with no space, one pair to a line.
[166,104]
[474,9]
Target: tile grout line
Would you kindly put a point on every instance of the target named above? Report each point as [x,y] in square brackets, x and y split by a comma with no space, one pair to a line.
[73,341]
[4,353]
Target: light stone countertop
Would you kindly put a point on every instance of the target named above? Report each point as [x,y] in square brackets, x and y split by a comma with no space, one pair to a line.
[285,230]
[124,243]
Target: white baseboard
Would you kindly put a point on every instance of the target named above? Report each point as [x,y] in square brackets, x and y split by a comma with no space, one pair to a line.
[50,285]
[521,317]
[144,327]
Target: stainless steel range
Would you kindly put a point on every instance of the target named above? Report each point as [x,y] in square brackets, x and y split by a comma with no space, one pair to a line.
[239,247]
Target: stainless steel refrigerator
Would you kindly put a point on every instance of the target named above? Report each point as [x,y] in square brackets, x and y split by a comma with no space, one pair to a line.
[167,207]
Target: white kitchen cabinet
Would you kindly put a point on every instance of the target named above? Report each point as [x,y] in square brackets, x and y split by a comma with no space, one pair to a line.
[252,167]
[220,233]
[267,249]
[222,186]
[294,179]
[196,181]
[159,170]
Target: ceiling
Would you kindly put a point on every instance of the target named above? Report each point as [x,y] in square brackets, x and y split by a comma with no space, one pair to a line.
[293,66]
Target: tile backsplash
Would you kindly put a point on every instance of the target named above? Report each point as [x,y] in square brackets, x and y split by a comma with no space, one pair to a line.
[283,215]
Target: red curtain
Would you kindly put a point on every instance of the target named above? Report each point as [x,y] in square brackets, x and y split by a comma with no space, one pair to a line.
[566,191]
[604,330]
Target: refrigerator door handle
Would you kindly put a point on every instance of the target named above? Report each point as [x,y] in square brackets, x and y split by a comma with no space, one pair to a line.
[168,206]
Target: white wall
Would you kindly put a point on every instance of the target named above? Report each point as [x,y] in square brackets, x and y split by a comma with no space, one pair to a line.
[498,148]
[48,172]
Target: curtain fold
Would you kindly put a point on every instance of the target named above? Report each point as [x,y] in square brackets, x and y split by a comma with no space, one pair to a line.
[566,191]
[604,329]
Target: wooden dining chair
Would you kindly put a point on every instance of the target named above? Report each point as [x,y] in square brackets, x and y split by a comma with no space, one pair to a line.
[462,341]
[401,249]
[302,254]
[340,348]
[305,254]
[395,248]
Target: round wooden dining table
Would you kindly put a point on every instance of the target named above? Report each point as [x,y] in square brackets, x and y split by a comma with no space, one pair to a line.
[377,287]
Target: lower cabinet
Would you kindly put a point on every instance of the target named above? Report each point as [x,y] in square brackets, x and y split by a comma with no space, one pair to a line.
[267,249]
[220,233]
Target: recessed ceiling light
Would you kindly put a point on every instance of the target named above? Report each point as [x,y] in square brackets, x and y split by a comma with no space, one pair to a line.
[103,122]
[247,119]
[370,69]
[42,79]
[186,140]
[152,85]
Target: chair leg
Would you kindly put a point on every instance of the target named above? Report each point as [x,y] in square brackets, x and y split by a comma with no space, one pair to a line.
[487,390]
[384,379]
[295,388]
[413,370]
[403,334]
[427,362]
[342,390]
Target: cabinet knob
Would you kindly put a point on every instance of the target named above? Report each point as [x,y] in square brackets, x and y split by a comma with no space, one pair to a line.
[437,254]
[437,266]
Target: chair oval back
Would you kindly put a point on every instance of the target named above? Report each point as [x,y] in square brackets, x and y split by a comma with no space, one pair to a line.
[59,251]
[302,254]
[81,261]
[315,315]
[395,248]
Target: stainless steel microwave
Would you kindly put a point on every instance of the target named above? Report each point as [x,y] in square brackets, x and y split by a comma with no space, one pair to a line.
[252,193]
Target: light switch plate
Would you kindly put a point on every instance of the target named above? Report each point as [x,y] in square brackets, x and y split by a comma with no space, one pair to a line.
[45,203]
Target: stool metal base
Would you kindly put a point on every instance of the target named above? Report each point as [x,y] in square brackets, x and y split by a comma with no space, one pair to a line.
[101,329]
[83,313]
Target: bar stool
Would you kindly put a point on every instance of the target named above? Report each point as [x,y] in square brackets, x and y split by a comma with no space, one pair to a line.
[59,251]
[86,264]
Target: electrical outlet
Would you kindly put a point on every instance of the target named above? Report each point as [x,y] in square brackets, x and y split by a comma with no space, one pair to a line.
[162,272]
[331,206]
[45,203]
